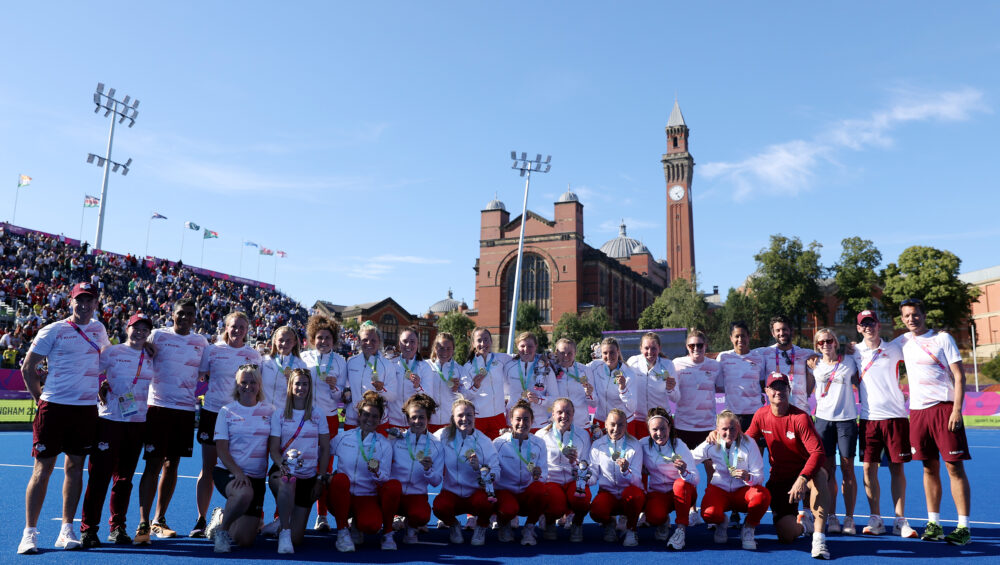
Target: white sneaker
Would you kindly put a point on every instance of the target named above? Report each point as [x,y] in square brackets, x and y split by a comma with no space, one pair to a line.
[67,538]
[478,536]
[642,520]
[662,532]
[746,536]
[357,536]
[29,542]
[808,522]
[344,542]
[410,537]
[214,523]
[677,540]
[631,539]
[285,542]
[505,534]
[223,543]
[832,524]
[819,550]
[455,534]
[528,535]
[848,528]
[694,517]
[271,529]
[875,526]
[722,532]
[902,529]
[441,525]
[575,533]
[321,525]
[388,542]
[550,532]
[622,523]
[610,532]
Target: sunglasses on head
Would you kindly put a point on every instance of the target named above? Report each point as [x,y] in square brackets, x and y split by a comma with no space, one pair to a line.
[912,302]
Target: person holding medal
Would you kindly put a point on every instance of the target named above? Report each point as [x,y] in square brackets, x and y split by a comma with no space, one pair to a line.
[418,464]
[672,478]
[520,486]
[529,377]
[278,365]
[568,449]
[573,380]
[737,483]
[415,377]
[241,433]
[122,410]
[299,446]
[328,368]
[364,469]
[653,373]
[445,382]
[471,466]
[616,467]
[218,367]
[368,371]
[611,380]
[484,383]
[837,424]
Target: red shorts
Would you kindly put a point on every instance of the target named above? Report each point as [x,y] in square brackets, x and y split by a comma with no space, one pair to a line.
[63,428]
[638,428]
[491,425]
[433,428]
[891,436]
[333,422]
[929,435]
[692,439]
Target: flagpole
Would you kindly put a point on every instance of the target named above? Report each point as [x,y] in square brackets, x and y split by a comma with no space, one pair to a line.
[183,233]
[17,192]
[202,263]
[82,211]
[274,279]
[149,224]
[242,245]
[258,264]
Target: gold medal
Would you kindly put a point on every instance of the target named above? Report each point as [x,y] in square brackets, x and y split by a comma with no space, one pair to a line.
[567,450]
[470,454]
[409,375]
[374,376]
[675,457]
[420,455]
[531,467]
[583,380]
[616,456]
[618,373]
[373,465]
[482,372]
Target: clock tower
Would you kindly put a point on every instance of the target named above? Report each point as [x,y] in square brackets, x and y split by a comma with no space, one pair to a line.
[677,168]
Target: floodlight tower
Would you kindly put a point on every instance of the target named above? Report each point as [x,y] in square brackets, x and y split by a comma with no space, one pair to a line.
[526,166]
[123,111]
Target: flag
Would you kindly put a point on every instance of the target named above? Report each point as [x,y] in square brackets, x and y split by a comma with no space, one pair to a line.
[250,244]
[91,201]
[266,251]
[209,234]
[158,216]
[192,226]
[282,254]
[23,180]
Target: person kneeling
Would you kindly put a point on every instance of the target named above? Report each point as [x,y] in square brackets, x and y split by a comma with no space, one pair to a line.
[673,480]
[523,472]
[616,461]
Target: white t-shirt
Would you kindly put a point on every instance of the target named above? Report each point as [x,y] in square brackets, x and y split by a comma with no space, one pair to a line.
[178,361]
[307,442]
[741,378]
[650,384]
[221,361]
[696,383]
[73,362]
[834,390]
[121,364]
[246,428]
[775,360]
[928,359]
[323,366]
[881,397]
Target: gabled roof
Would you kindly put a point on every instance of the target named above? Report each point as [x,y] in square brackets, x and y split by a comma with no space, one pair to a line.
[676,118]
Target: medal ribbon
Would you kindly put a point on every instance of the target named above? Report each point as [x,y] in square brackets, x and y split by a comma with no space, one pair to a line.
[454,444]
[517,446]
[611,447]
[97,348]
[520,372]
[373,366]
[475,361]
[299,429]
[870,363]
[451,372]
[427,444]
[559,435]
[361,446]
[833,375]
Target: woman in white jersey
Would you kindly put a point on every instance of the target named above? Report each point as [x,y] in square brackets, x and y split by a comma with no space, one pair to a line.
[672,479]
[654,372]
[368,371]
[837,423]
[445,382]
[742,375]
[484,383]
[277,365]
[415,378]
[418,464]
[520,486]
[566,489]
[299,446]
[573,380]
[616,467]
[611,380]
[241,433]
[528,376]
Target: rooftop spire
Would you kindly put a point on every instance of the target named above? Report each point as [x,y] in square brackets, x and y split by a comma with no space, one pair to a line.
[676,118]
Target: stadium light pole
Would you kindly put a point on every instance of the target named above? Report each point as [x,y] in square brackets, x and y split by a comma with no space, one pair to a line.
[122,111]
[526,166]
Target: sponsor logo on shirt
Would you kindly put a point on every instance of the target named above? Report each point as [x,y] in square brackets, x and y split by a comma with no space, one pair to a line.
[956,452]
[766,431]
[790,434]
[103,446]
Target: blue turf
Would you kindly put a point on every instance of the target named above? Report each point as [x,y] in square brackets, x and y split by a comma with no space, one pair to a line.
[15,462]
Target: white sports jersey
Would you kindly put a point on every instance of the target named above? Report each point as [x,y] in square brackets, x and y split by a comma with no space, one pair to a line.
[605,473]
[220,361]
[607,396]
[307,440]
[878,368]
[460,477]
[741,379]
[489,396]
[178,360]
[517,458]
[650,384]
[777,360]
[696,385]
[560,469]
[834,390]
[407,452]
[246,428]
[658,462]
[745,456]
[928,358]
[73,361]
[121,364]
[274,371]
[324,369]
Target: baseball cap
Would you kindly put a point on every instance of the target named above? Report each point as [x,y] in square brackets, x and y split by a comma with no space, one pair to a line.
[139,317]
[776,377]
[83,288]
[865,314]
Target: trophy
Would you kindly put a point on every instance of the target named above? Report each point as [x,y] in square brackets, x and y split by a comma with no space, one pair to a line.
[292,461]
[582,475]
[486,478]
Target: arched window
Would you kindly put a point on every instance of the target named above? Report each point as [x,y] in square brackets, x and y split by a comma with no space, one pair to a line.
[390,329]
[535,286]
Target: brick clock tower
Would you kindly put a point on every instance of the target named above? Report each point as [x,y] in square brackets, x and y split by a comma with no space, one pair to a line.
[677,168]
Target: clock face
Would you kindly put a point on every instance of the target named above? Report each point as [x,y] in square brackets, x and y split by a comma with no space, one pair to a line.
[676,192]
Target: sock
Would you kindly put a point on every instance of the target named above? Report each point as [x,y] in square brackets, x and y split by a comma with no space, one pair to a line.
[32,530]
[934,517]
[819,536]
[963,521]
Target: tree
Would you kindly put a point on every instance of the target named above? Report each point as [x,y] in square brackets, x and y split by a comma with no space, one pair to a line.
[740,306]
[529,319]
[585,330]
[931,275]
[460,327]
[787,280]
[679,306]
[855,274]
[351,324]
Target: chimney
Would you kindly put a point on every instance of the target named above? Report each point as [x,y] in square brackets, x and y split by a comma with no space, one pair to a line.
[715,289]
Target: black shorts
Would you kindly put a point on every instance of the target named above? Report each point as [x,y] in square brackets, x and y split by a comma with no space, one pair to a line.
[304,497]
[169,433]
[692,439]
[780,507]
[206,427]
[63,428]
[838,435]
[222,477]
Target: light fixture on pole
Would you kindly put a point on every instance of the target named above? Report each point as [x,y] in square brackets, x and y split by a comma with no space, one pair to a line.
[124,109]
[526,166]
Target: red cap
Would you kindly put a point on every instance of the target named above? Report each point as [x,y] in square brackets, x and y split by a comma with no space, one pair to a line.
[865,314]
[83,288]
[139,317]
[776,377]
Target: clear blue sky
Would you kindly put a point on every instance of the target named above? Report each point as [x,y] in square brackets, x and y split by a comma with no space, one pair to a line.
[363,138]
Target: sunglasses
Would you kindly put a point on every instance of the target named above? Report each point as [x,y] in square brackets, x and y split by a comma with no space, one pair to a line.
[912,302]
[869,323]
[253,366]
[825,341]
[696,346]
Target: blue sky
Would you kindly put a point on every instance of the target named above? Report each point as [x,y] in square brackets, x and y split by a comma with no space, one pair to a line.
[364,138]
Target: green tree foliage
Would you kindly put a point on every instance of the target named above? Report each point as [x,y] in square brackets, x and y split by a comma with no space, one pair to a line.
[787,280]
[351,324]
[739,306]
[529,319]
[585,330]
[679,306]
[990,369]
[855,274]
[460,327]
[931,275]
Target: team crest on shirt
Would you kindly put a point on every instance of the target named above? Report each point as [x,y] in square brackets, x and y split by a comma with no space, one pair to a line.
[103,446]
[790,434]
[39,447]
[913,450]
[203,436]
[149,448]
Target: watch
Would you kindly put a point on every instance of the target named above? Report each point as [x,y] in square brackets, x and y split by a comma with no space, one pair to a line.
[676,192]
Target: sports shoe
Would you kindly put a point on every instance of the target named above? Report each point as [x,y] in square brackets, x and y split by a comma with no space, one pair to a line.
[902,529]
[819,550]
[550,532]
[631,539]
[161,530]
[29,542]
[89,539]
[722,532]
[119,536]
[622,523]
[223,543]
[505,534]
[441,525]
[344,542]
[662,532]
[212,526]
[398,523]
[734,520]
[875,527]
[959,536]
[321,524]
[67,538]
[141,534]
[807,521]
[677,540]
[271,530]
[470,522]
[932,532]
[832,524]
[610,532]
[566,521]
[848,529]
[746,536]
[478,536]
[410,537]
[528,535]
[285,542]
[455,534]
[642,520]
[694,517]
[356,535]
[198,531]
[576,533]
[388,542]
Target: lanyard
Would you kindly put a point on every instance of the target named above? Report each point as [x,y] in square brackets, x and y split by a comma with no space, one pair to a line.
[559,437]
[457,447]
[329,363]
[791,365]
[299,429]
[611,447]
[361,446]
[142,357]
[870,363]
[427,445]
[727,456]
[517,447]
[489,361]
[833,375]
[520,372]
[665,458]
[373,367]
[922,346]
[451,372]
[97,348]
